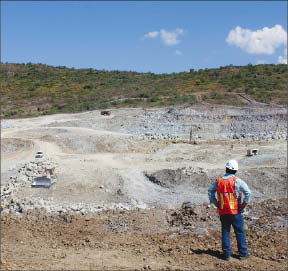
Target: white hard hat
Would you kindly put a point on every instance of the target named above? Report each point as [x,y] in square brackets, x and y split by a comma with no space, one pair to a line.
[232,164]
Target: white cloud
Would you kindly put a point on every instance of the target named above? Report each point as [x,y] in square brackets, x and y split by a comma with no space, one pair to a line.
[262,41]
[151,35]
[178,52]
[170,38]
[283,59]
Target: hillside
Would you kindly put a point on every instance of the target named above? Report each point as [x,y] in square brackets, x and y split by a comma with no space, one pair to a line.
[38,89]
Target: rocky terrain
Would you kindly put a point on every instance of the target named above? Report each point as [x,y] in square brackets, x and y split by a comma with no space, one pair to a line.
[120,181]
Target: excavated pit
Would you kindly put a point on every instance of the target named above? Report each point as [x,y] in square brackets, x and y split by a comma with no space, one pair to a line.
[121,182]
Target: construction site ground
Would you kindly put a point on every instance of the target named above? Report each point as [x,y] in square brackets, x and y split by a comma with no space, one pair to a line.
[121,182]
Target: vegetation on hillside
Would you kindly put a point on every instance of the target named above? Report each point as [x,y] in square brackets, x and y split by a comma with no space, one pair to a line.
[38,89]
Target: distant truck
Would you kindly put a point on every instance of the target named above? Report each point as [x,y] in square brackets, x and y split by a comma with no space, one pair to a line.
[251,152]
[39,154]
[105,113]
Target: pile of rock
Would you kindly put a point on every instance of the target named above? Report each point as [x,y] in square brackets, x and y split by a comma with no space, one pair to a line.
[35,169]
[257,136]
[190,170]
[161,136]
[14,205]
[25,177]
[11,186]
[189,214]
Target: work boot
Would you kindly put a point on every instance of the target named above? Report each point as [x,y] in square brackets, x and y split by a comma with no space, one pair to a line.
[225,257]
[244,257]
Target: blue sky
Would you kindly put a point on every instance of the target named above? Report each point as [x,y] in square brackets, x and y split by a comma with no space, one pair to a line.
[159,37]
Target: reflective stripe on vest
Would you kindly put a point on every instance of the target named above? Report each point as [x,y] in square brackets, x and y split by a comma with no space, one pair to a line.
[231,201]
[228,202]
[221,201]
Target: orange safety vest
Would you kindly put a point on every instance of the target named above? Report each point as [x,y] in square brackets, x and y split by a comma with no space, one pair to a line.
[228,202]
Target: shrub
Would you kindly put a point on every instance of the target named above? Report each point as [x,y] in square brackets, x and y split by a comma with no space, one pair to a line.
[130,101]
[103,105]
[10,114]
[87,87]
[205,97]
[249,91]
[32,88]
[192,99]
[154,99]
[143,95]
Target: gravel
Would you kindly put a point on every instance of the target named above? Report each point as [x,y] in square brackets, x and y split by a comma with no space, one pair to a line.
[177,123]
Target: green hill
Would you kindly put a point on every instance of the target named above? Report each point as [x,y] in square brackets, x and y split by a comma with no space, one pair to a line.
[38,89]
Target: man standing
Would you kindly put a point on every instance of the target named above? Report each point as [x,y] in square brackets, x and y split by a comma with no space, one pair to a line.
[229,189]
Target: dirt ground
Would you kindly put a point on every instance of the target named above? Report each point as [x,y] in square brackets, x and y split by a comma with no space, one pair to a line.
[141,239]
[117,201]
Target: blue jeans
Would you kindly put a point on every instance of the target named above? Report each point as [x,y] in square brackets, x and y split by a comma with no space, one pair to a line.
[238,224]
